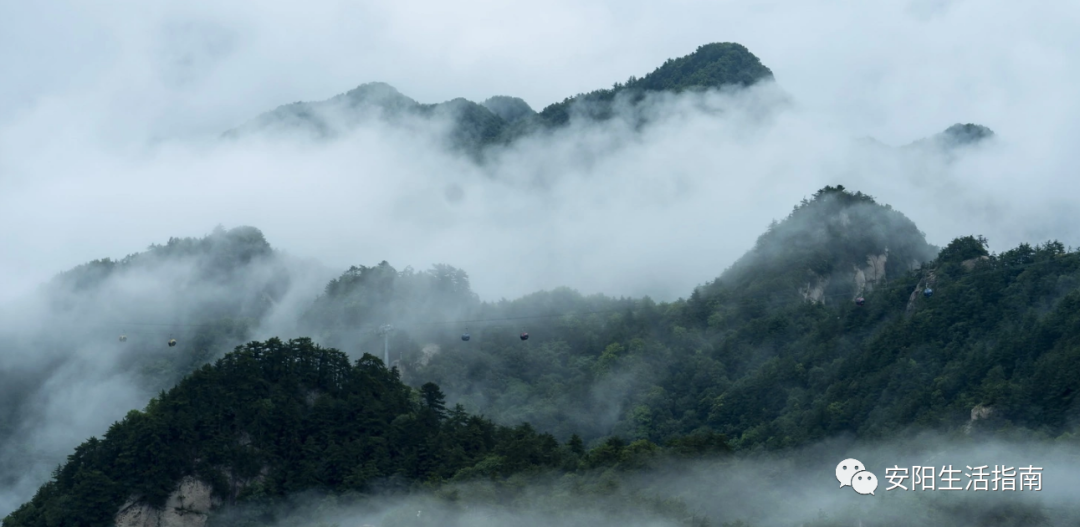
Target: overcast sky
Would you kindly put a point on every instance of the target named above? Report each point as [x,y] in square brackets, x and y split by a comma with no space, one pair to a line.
[109,114]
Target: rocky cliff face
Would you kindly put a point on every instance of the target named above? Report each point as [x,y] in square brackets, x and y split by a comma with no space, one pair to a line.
[870,275]
[978,413]
[815,289]
[973,262]
[188,506]
[865,279]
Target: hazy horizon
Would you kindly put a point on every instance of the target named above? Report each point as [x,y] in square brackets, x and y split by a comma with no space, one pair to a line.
[108,134]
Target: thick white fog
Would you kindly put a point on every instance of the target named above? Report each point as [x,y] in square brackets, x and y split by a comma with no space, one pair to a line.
[799,488]
[111,115]
[109,126]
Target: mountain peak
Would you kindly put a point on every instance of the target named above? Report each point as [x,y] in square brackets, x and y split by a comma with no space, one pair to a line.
[957,135]
[961,134]
[711,66]
[375,93]
[510,109]
[501,119]
[714,65]
[837,244]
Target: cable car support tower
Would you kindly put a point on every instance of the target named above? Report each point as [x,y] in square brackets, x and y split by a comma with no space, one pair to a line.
[385,330]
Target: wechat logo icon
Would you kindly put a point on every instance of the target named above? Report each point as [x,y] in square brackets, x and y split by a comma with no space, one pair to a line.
[852,473]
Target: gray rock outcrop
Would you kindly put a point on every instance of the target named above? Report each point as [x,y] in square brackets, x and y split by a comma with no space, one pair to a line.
[187,506]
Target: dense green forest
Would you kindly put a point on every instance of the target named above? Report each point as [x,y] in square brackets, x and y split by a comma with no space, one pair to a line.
[772,355]
[710,66]
[274,418]
[748,356]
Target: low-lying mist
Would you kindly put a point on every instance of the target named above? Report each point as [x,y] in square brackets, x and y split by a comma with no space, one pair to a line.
[102,154]
[615,207]
[791,488]
[600,207]
[65,375]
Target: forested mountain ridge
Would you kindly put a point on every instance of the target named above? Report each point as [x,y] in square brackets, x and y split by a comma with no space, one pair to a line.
[765,353]
[220,256]
[208,292]
[710,66]
[274,418]
[107,323]
[837,245]
[753,356]
[502,119]
[957,340]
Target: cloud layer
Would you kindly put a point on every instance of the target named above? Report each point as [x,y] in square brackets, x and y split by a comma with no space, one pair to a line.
[797,488]
[107,133]
[110,119]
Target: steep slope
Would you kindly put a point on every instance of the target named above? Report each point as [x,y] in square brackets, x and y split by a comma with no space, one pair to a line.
[269,418]
[836,246]
[62,351]
[955,136]
[275,418]
[711,66]
[204,292]
[189,288]
[993,350]
[510,109]
[754,357]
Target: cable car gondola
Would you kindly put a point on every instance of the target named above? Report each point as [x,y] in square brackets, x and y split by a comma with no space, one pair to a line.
[928,292]
[524,336]
[465,337]
[172,342]
[860,301]
[123,338]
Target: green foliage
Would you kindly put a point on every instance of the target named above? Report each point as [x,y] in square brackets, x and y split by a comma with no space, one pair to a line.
[700,443]
[743,363]
[777,372]
[821,242]
[964,248]
[284,417]
[374,295]
[275,418]
[500,120]
[711,66]
[473,126]
[510,109]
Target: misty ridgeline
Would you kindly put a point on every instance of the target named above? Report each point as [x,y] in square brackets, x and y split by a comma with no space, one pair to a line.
[841,333]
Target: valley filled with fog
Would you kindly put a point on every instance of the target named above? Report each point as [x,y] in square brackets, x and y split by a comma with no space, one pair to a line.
[851,234]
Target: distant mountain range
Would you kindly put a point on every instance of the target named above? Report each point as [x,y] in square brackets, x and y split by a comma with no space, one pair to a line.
[502,119]
[841,320]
